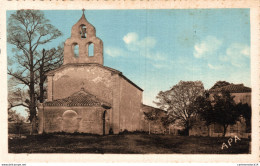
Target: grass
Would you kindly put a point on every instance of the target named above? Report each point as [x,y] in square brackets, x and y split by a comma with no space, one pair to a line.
[125,144]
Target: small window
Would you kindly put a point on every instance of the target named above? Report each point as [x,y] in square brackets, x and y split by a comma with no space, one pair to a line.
[83,31]
[91,49]
[76,50]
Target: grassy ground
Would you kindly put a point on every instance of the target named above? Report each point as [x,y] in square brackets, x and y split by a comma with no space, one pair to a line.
[125,144]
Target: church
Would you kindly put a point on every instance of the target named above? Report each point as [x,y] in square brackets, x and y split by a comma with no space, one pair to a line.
[84,96]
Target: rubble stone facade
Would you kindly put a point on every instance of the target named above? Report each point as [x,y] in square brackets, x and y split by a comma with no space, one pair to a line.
[85,96]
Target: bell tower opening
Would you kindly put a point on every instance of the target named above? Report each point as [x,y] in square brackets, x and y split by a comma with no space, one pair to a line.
[83,31]
[75,48]
[90,49]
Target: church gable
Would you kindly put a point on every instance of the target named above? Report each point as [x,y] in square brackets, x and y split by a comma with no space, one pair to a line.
[81,98]
[96,79]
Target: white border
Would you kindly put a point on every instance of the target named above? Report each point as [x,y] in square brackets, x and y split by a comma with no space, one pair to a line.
[131,4]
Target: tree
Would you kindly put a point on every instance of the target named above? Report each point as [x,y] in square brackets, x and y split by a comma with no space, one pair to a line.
[50,60]
[16,96]
[224,110]
[152,115]
[246,111]
[178,102]
[167,120]
[220,84]
[204,108]
[17,119]
[27,30]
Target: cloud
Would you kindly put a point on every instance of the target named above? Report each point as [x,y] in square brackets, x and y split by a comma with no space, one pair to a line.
[143,47]
[158,66]
[206,47]
[134,44]
[148,42]
[115,52]
[213,67]
[130,38]
[237,54]
[156,56]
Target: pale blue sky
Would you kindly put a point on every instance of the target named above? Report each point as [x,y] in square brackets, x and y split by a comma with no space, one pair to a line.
[158,48]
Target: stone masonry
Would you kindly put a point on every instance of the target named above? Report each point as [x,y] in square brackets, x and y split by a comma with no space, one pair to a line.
[85,96]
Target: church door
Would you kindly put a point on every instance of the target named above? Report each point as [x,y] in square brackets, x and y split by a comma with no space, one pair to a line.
[104,122]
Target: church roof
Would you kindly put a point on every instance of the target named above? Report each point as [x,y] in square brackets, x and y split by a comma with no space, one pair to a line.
[82,64]
[232,88]
[81,98]
[94,64]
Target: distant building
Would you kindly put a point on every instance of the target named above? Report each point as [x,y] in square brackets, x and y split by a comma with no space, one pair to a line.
[242,94]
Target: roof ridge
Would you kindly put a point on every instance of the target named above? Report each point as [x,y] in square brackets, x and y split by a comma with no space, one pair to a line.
[76,99]
[82,64]
[235,88]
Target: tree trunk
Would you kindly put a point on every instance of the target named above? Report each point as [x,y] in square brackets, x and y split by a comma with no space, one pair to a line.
[208,130]
[34,125]
[225,130]
[42,77]
[32,105]
[41,97]
[149,128]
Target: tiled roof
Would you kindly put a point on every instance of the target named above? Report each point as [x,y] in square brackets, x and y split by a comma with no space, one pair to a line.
[232,88]
[147,107]
[81,98]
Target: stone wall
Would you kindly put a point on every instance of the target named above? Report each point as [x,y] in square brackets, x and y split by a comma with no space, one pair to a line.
[130,106]
[71,79]
[215,130]
[125,98]
[75,119]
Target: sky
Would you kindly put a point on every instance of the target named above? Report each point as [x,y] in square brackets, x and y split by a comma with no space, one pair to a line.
[158,48]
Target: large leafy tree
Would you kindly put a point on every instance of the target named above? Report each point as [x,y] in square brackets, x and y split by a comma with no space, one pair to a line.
[220,84]
[179,100]
[27,31]
[204,108]
[225,110]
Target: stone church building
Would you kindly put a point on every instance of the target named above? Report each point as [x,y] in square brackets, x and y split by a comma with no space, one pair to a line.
[85,96]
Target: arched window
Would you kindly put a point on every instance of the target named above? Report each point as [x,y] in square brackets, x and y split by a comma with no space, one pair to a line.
[83,31]
[91,49]
[75,48]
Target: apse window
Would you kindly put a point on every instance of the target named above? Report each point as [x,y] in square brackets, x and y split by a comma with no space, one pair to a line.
[83,31]
[76,50]
[91,49]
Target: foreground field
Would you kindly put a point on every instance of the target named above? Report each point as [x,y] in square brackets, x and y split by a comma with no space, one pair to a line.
[125,144]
